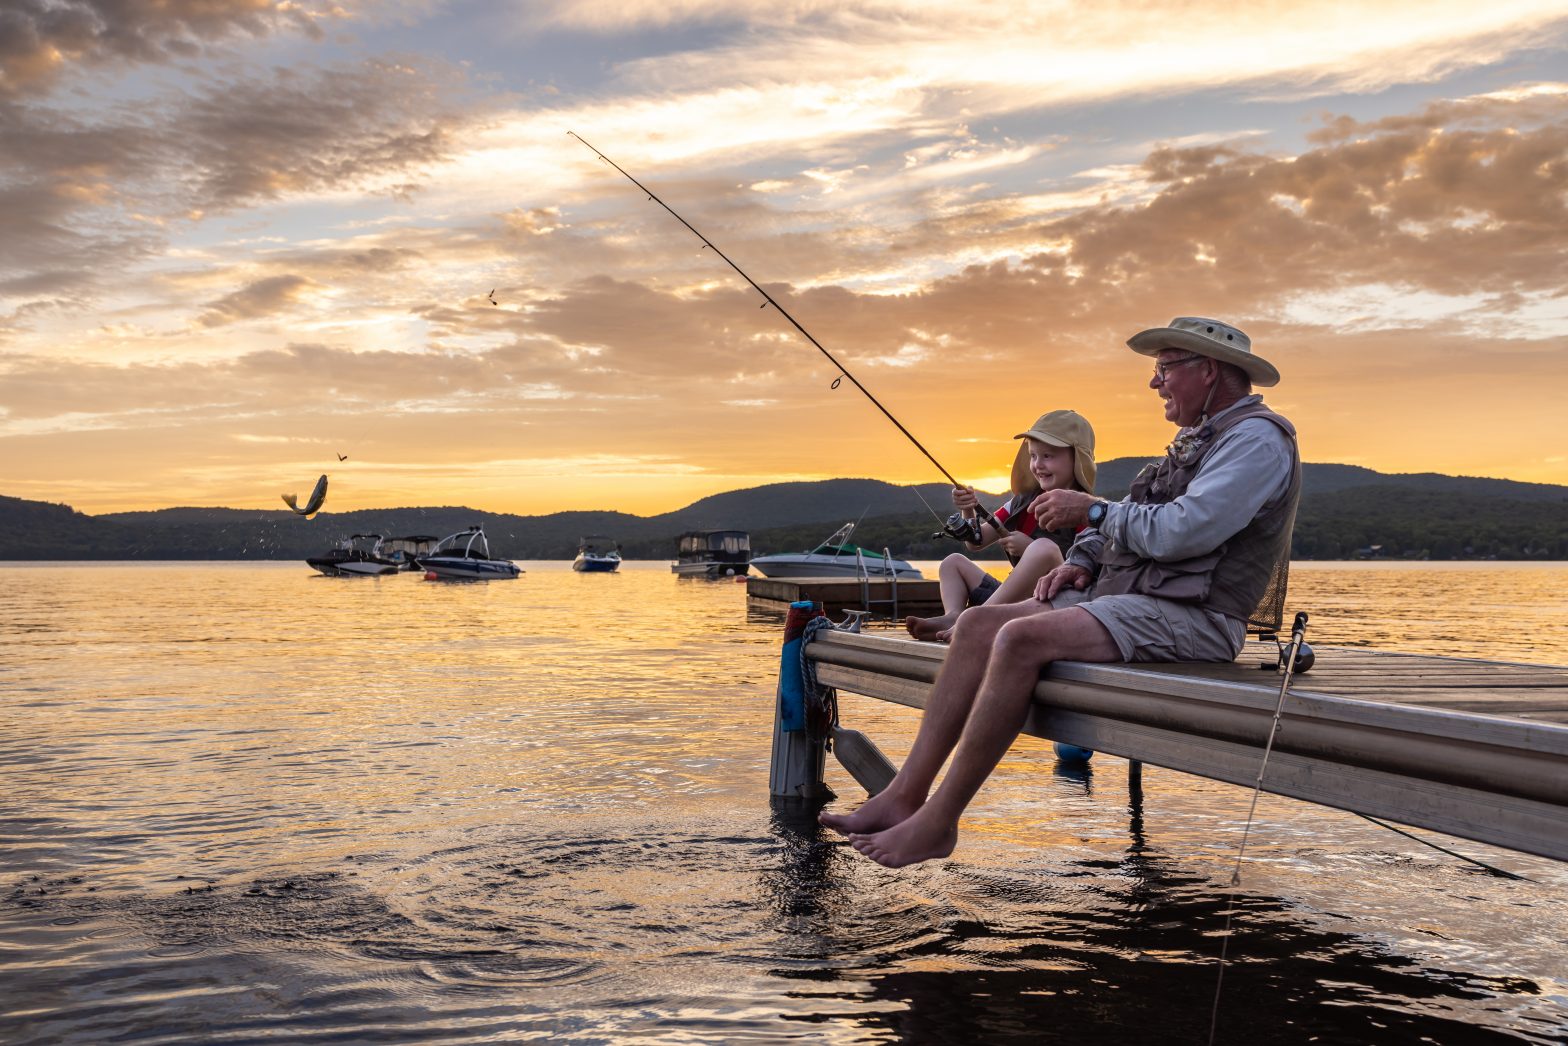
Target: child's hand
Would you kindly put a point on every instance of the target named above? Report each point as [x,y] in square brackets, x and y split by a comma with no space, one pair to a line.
[1015,543]
[964,499]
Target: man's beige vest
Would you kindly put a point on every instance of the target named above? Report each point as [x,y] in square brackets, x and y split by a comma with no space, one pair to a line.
[1245,576]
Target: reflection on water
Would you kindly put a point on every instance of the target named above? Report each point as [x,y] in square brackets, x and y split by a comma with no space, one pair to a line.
[243,803]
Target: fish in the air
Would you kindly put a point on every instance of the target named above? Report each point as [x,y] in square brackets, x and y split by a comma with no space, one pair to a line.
[311,507]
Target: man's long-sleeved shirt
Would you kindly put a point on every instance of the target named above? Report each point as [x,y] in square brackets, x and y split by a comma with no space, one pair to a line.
[1249,466]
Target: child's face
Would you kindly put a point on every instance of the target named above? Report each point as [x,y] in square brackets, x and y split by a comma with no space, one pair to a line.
[1052,466]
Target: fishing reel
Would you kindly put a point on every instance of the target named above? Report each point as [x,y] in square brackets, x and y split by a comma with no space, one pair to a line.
[962,529]
[1305,658]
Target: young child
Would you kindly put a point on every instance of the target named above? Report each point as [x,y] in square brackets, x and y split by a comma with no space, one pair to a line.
[1057,452]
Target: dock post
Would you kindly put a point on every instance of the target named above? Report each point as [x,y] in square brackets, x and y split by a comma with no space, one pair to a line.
[796,769]
[1135,778]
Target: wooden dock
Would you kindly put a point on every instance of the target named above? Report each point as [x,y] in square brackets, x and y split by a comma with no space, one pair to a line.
[1475,749]
[838,594]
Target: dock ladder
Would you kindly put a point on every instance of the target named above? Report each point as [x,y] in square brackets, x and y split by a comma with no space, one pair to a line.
[863,571]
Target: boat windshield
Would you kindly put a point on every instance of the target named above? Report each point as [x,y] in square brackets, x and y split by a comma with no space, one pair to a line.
[467,544]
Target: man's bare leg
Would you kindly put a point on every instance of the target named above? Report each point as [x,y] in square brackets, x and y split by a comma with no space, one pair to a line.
[947,710]
[956,578]
[1020,649]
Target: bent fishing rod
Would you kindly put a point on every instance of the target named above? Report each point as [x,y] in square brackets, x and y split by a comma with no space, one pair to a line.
[769,300]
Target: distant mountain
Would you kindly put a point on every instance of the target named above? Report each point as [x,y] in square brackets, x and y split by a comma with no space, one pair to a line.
[41,530]
[835,501]
[1344,508]
[1116,475]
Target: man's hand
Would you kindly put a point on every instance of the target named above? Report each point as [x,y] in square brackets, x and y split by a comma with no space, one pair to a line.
[1056,509]
[1068,574]
[1014,543]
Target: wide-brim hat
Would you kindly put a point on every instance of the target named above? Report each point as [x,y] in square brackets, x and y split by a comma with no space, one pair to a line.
[1211,338]
[1059,428]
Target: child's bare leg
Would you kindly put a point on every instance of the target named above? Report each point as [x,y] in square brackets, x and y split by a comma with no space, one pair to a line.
[1041,557]
[956,578]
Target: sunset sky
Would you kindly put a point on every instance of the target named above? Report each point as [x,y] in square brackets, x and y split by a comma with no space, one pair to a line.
[241,237]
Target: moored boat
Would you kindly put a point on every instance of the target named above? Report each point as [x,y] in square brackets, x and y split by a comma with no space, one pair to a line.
[596,554]
[712,553]
[834,558]
[358,555]
[405,551]
[466,556]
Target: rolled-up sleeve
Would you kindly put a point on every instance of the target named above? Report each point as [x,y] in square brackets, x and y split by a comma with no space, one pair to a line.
[1085,551]
[1249,466]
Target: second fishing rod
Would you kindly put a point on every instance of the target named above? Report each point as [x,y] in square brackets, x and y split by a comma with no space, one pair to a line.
[769,300]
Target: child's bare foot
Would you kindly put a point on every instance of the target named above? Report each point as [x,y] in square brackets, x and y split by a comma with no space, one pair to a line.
[922,836]
[945,636]
[883,810]
[926,628]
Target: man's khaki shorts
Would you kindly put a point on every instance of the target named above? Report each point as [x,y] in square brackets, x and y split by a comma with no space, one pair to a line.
[1149,629]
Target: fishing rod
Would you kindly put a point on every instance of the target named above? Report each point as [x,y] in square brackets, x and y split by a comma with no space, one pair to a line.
[769,300]
[1298,636]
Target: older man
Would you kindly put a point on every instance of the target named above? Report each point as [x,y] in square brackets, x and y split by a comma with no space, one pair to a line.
[1173,572]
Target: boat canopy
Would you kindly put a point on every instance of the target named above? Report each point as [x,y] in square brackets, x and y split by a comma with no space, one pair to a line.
[732,541]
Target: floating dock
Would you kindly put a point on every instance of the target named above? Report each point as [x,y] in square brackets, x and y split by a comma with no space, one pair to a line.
[837,594]
[1475,749]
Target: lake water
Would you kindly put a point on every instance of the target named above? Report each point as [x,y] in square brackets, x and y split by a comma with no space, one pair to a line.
[240,803]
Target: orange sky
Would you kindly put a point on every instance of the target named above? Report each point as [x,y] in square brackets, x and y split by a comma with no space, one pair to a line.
[244,237]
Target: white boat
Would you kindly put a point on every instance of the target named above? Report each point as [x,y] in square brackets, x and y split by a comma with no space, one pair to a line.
[592,557]
[834,558]
[712,553]
[358,555]
[466,556]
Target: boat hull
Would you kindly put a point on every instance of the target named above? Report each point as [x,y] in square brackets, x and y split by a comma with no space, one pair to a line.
[708,569]
[351,567]
[812,565]
[587,564]
[466,569]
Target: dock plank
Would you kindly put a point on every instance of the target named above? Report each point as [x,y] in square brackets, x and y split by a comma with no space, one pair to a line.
[915,596]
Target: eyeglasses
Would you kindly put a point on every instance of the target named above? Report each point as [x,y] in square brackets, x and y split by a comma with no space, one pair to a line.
[1163,367]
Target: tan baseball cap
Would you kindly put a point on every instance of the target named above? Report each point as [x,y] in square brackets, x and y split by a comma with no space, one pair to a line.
[1059,428]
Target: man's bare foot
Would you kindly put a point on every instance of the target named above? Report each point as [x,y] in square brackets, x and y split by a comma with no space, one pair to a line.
[883,810]
[923,836]
[927,628]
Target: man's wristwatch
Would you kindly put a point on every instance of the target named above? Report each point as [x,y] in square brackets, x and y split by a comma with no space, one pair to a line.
[1097,512]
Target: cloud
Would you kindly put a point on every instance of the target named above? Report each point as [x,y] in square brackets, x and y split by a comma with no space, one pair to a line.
[240,261]
[261,299]
[85,196]
[40,39]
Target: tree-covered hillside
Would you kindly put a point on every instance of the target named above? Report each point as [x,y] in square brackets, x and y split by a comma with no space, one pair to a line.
[1345,509]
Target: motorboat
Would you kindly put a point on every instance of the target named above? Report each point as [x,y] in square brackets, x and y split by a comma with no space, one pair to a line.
[466,556]
[405,551]
[712,553]
[834,558]
[358,555]
[596,554]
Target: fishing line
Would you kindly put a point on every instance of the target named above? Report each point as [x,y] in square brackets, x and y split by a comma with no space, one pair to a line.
[1443,849]
[1298,633]
[768,300]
